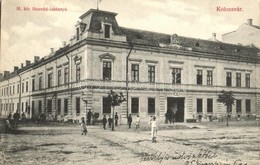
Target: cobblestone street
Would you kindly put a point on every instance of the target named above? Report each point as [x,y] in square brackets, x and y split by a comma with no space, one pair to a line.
[65,145]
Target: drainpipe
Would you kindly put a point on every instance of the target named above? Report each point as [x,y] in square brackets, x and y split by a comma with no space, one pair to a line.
[127,58]
[20,95]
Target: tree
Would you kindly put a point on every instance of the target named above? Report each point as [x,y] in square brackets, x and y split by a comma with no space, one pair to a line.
[115,100]
[227,98]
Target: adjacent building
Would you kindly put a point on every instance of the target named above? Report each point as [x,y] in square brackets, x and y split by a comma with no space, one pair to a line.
[155,72]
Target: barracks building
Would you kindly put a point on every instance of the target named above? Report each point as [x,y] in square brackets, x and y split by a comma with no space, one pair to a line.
[155,72]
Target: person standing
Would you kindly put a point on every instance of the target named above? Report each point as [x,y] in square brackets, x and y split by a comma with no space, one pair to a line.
[137,122]
[83,126]
[129,120]
[104,122]
[16,117]
[154,129]
[89,115]
[110,120]
[116,119]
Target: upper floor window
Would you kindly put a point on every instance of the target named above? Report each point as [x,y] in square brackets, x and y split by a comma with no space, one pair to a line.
[49,84]
[151,74]
[107,31]
[229,79]
[106,70]
[77,72]
[199,77]
[247,80]
[135,72]
[18,88]
[22,87]
[27,86]
[209,77]
[13,89]
[77,35]
[40,82]
[238,79]
[33,84]
[176,75]
[66,75]
[59,77]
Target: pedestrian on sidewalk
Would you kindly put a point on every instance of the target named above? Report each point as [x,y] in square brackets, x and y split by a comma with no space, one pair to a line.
[83,126]
[137,122]
[110,120]
[116,119]
[154,129]
[129,120]
[104,122]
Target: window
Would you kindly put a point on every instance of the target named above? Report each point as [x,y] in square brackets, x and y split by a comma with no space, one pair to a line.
[22,87]
[247,80]
[40,106]
[49,80]
[13,89]
[229,79]
[49,106]
[33,108]
[135,72]
[106,70]
[248,106]
[238,104]
[135,105]
[33,84]
[151,105]
[238,79]
[199,105]
[27,86]
[77,105]
[66,75]
[209,105]
[209,77]
[59,77]
[77,31]
[106,105]
[40,82]
[26,107]
[10,90]
[151,74]
[107,31]
[58,106]
[199,77]
[22,108]
[65,106]
[77,72]
[176,75]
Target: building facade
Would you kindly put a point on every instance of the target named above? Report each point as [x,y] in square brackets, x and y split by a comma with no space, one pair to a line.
[155,72]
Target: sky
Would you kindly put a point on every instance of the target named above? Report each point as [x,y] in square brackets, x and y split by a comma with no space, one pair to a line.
[25,34]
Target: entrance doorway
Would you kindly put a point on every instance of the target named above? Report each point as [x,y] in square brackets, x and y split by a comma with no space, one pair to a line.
[176,105]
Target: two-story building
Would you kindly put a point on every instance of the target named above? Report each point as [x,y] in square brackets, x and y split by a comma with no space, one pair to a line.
[155,72]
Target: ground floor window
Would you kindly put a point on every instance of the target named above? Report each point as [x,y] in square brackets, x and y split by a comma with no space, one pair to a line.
[106,105]
[33,108]
[49,106]
[210,105]
[238,104]
[199,105]
[40,106]
[248,106]
[135,105]
[65,106]
[151,105]
[58,106]
[77,105]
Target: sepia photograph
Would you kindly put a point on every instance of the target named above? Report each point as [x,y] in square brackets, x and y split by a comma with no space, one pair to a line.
[130,82]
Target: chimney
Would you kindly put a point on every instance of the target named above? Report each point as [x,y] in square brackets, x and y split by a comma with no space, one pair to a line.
[21,65]
[6,73]
[27,62]
[214,38]
[250,22]
[36,58]
[15,68]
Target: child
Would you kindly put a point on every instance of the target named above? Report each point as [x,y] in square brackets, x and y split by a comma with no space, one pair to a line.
[83,126]
[137,122]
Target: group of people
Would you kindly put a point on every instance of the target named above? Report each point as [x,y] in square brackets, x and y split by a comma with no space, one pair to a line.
[110,121]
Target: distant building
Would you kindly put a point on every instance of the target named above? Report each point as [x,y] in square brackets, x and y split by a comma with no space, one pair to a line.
[247,34]
[155,72]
